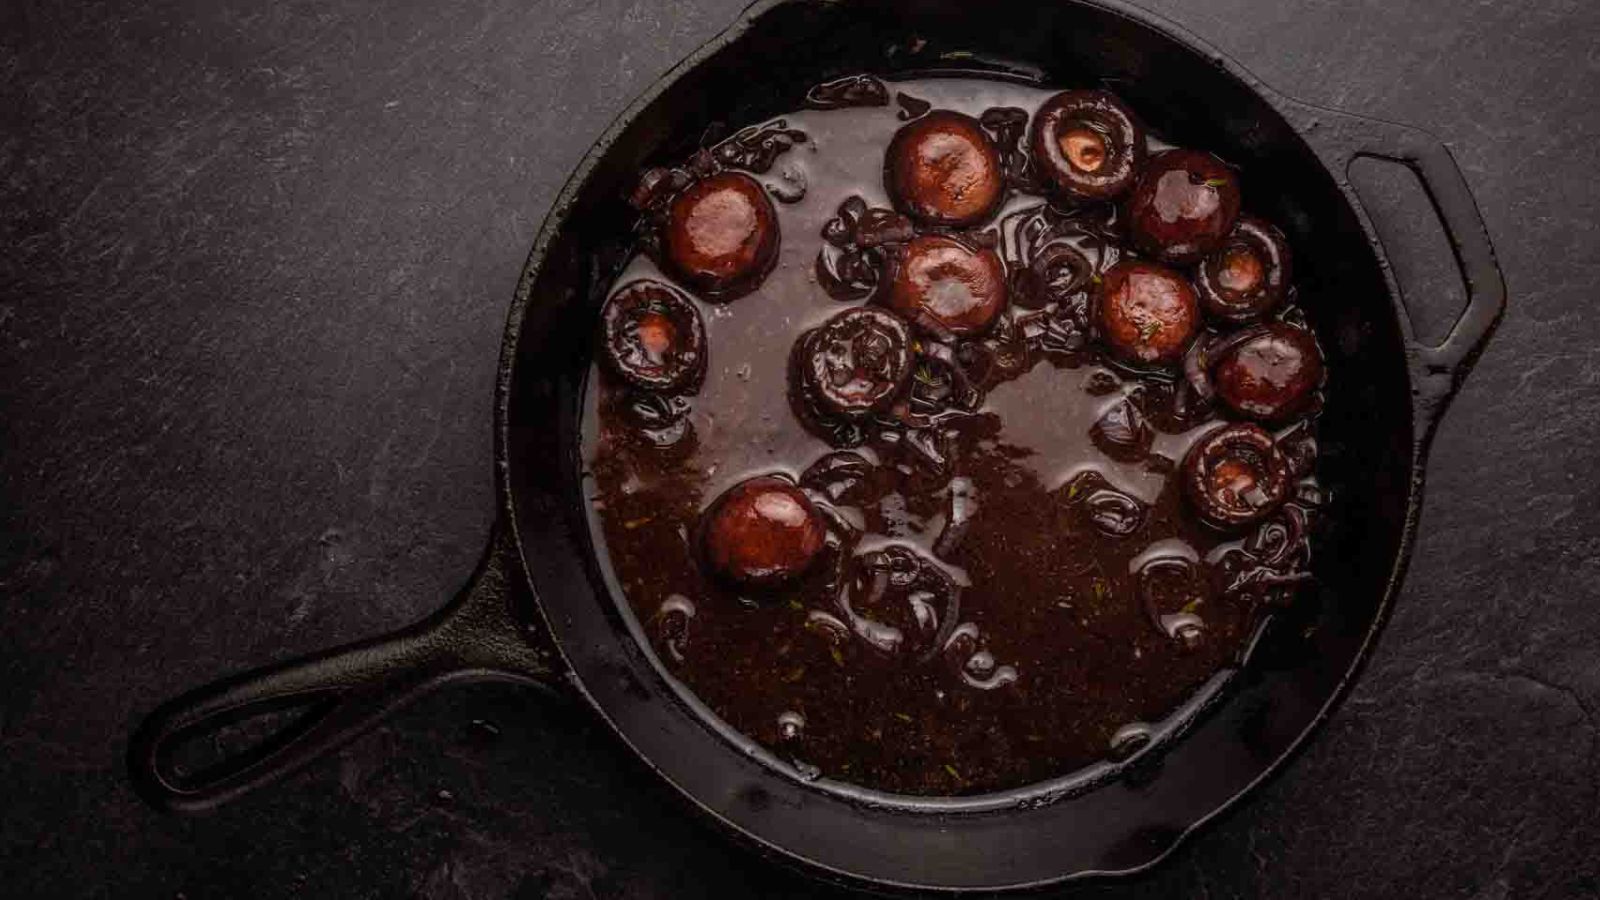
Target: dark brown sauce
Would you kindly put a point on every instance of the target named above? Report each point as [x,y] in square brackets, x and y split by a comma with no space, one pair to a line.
[996,620]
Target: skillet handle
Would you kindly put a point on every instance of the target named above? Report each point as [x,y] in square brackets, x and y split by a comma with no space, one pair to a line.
[342,692]
[1437,371]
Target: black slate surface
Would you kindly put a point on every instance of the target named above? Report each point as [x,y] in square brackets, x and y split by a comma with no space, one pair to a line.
[256,258]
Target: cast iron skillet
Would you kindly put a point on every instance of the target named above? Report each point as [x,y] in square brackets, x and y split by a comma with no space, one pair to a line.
[573,630]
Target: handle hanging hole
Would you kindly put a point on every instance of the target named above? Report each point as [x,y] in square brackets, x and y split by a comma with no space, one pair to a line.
[1415,242]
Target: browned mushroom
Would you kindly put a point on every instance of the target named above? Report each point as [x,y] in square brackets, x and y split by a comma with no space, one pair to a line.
[1183,206]
[1088,144]
[721,235]
[961,287]
[1270,373]
[761,533]
[1235,475]
[1148,312]
[1248,275]
[856,362]
[653,337]
[943,169]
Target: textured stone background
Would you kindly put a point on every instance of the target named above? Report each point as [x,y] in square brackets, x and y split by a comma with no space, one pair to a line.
[256,259]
